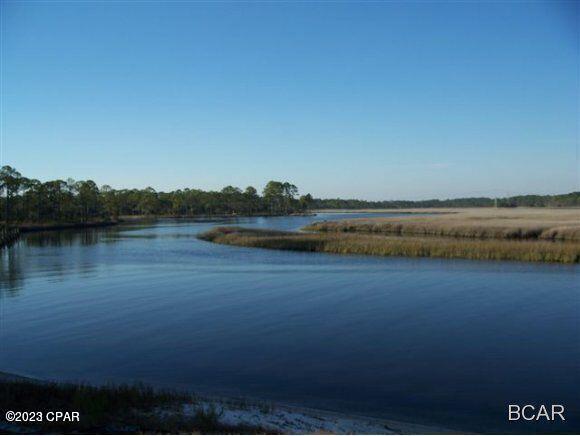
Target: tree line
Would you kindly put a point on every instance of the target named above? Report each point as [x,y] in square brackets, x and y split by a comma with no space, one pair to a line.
[29,200]
[563,200]
[70,201]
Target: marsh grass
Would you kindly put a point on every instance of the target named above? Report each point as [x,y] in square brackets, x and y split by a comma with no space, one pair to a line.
[517,224]
[381,245]
[135,409]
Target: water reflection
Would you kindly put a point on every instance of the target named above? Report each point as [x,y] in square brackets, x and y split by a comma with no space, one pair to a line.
[56,254]
[420,339]
[11,279]
[50,254]
[64,238]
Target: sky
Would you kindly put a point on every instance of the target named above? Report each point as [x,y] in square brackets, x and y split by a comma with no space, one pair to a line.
[371,100]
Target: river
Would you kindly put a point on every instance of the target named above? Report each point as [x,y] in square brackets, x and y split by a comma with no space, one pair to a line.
[440,342]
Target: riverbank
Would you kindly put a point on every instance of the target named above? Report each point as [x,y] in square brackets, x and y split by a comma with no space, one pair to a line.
[11,235]
[382,245]
[141,409]
[134,218]
[124,219]
[45,227]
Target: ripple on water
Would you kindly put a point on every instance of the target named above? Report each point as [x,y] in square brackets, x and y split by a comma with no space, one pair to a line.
[428,340]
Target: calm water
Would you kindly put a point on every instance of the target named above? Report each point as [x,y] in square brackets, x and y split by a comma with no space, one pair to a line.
[424,340]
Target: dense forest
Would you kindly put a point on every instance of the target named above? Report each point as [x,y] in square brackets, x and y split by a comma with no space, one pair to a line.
[31,201]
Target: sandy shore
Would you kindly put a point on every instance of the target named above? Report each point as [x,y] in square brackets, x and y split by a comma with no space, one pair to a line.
[274,418]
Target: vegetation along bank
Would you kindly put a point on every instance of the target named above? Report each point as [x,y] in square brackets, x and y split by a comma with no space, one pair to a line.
[522,235]
[29,201]
[476,223]
[140,409]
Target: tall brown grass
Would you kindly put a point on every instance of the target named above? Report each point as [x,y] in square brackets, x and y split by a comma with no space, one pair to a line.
[380,245]
[549,224]
[450,230]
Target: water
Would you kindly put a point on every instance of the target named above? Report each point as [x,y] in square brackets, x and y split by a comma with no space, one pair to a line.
[440,342]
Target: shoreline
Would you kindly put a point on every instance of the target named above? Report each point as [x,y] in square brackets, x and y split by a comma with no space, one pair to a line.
[32,228]
[127,219]
[231,414]
[527,234]
[412,211]
[342,243]
[138,218]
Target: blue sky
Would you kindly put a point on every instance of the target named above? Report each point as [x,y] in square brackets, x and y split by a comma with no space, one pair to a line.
[375,100]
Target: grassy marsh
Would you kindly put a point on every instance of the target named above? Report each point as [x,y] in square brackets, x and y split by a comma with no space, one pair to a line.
[481,223]
[411,246]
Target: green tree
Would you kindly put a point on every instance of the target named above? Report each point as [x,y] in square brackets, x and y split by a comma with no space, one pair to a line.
[232,197]
[274,196]
[289,192]
[305,202]
[88,198]
[110,201]
[10,183]
[148,201]
[251,200]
